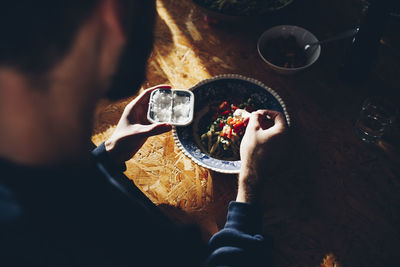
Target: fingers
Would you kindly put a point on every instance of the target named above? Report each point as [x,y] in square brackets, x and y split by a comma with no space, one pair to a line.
[268,119]
[155,129]
[274,115]
[145,95]
[277,117]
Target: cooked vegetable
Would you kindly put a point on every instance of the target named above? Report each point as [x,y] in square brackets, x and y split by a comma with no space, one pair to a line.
[224,133]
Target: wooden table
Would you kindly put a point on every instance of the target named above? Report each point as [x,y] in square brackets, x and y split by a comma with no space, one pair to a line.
[337,196]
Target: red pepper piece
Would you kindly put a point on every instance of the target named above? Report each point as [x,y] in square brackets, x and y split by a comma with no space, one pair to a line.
[237,128]
[235,121]
[225,112]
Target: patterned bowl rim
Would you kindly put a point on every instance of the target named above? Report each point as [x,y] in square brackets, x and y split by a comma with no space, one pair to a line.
[222,77]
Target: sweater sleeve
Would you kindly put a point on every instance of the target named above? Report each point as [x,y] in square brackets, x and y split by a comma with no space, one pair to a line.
[240,242]
[103,157]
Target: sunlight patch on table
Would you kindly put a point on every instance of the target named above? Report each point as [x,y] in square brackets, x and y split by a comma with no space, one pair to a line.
[192,29]
[329,261]
[182,66]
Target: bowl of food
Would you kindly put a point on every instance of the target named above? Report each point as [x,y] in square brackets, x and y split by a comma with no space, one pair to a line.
[221,105]
[236,11]
[283,48]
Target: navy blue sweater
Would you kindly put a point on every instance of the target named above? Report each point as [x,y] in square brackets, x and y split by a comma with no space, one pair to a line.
[92,215]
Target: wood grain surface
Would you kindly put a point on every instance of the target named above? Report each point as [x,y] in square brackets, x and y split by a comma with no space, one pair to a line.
[336,200]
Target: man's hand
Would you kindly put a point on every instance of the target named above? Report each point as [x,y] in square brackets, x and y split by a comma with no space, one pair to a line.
[262,146]
[133,128]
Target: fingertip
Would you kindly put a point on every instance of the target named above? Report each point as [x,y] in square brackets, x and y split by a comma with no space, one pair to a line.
[280,119]
[273,115]
[268,119]
[270,112]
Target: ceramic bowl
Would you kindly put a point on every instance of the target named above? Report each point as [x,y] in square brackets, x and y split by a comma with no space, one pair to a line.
[211,91]
[302,37]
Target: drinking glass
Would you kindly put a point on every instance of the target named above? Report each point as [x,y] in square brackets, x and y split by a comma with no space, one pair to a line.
[376,116]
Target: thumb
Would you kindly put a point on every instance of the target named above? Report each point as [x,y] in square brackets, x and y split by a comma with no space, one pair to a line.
[155,129]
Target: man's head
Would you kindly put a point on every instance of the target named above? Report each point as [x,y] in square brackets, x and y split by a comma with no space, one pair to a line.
[36,35]
[57,58]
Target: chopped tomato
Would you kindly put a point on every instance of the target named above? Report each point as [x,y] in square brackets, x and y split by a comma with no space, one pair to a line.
[221,124]
[237,121]
[225,112]
[233,121]
[237,127]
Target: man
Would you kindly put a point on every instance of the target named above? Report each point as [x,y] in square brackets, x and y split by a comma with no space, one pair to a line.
[61,205]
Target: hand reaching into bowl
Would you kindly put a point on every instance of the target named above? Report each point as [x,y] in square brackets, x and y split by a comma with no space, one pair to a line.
[261,149]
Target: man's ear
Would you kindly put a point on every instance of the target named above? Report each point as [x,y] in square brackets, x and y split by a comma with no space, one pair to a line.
[113,38]
[110,10]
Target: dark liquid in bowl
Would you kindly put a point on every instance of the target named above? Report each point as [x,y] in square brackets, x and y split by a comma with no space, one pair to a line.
[285,52]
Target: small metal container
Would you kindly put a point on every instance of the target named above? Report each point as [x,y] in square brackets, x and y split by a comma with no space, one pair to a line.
[172,106]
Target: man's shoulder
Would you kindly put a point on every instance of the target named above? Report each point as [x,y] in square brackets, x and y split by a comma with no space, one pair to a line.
[10,209]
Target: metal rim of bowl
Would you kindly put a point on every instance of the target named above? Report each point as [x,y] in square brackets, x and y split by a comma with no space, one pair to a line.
[219,77]
[283,68]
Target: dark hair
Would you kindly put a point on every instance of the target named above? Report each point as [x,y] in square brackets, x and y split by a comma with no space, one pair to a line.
[35,34]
